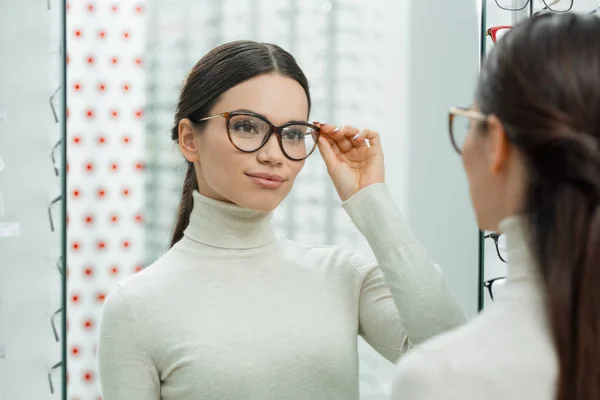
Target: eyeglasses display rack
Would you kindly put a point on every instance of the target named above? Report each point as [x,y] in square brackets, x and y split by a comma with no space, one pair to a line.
[32,200]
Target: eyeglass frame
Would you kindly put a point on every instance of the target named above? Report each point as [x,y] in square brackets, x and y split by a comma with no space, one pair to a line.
[466,112]
[52,202]
[272,129]
[547,7]
[54,330]
[496,236]
[490,283]
[54,367]
[53,156]
[493,31]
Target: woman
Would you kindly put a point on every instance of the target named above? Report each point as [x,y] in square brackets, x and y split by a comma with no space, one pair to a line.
[231,311]
[532,158]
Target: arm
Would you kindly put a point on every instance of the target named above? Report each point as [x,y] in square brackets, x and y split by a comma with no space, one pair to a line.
[405,295]
[125,366]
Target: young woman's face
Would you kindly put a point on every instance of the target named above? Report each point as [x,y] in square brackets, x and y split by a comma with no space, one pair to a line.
[259,180]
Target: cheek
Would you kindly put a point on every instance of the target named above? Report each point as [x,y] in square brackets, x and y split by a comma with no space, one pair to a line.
[219,161]
[295,167]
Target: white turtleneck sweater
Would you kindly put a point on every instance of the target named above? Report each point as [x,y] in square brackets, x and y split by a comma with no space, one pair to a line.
[233,312]
[506,352]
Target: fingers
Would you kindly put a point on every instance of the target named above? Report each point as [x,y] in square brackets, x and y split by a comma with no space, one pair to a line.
[341,134]
[368,138]
[347,137]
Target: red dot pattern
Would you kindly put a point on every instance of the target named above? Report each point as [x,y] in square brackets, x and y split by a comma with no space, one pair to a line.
[105,114]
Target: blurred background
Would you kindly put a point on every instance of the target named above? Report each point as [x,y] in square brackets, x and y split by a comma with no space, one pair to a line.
[394,67]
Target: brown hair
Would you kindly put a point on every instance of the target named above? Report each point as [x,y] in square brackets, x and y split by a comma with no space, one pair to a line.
[218,71]
[542,80]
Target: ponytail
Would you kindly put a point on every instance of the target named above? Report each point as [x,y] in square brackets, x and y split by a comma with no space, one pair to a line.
[564,224]
[184,210]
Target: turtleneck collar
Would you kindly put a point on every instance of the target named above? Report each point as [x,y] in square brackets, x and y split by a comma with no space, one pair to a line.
[225,225]
[521,264]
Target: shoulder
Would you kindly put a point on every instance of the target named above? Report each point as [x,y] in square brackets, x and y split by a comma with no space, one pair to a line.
[441,366]
[330,257]
[144,286]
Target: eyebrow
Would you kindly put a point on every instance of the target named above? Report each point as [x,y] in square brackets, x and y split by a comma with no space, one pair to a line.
[243,110]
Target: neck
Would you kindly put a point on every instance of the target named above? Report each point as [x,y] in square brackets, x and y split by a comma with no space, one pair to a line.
[522,268]
[225,225]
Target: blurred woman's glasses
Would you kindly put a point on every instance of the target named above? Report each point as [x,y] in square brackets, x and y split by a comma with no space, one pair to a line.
[497,32]
[459,124]
[249,132]
[550,5]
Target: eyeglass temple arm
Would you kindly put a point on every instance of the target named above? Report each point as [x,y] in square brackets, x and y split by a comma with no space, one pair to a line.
[211,117]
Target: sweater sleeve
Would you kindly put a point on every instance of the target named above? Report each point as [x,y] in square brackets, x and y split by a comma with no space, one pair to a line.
[404,299]
[126,370]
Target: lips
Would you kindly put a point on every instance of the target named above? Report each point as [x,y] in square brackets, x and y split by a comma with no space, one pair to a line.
[265,175]
[266,180]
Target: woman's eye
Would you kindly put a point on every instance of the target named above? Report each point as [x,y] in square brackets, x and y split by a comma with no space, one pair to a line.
[245,126]
[293,135]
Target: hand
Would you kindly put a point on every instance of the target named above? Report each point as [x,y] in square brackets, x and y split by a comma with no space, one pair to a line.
[351,163]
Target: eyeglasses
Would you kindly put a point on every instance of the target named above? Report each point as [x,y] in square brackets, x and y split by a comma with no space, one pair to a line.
[52,106]
[249,132]
[497,32]
[54,201]
[495,286]
[53,156]
[459,124]
[500,242]
[518,5]
[52,369]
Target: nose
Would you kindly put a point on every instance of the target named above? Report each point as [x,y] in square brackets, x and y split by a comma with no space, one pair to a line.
[271,153]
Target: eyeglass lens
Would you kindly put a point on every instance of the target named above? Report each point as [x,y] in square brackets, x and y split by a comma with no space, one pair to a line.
[248,133]
[460,130]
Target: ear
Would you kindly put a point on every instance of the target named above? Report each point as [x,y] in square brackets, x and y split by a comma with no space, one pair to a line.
[187,141]
[498,145]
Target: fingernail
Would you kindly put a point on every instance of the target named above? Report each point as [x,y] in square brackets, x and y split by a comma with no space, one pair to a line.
[356,136]
[337,129]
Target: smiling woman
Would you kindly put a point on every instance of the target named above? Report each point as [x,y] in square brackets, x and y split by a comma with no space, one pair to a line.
[231,311]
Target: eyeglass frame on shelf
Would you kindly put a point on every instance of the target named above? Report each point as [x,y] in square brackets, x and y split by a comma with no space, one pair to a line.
[54,112]
[54,330]
[496,236]
[527,3]
[493,31]
[55,366]
[54,201]
[53,156]
[490,283]
[272,129]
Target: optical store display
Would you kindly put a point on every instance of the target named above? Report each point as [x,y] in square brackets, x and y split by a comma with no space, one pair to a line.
[32,202]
